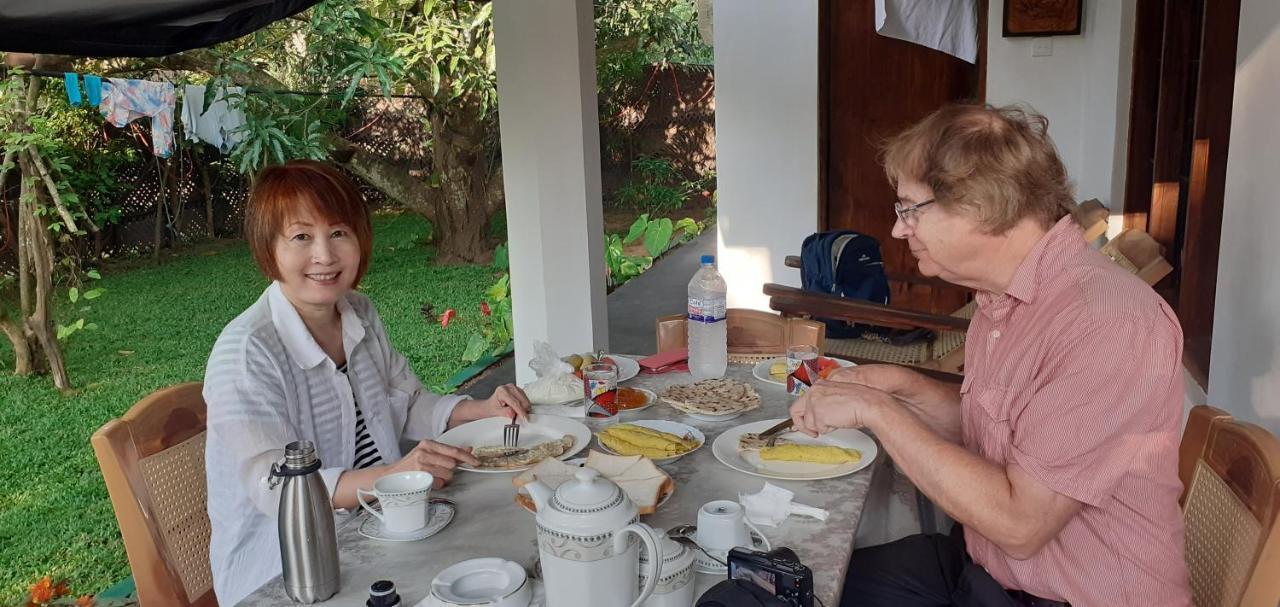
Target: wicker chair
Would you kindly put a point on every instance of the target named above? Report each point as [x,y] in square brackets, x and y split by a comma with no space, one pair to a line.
[752,335]
[152,460]
[1132,249]
[1231,502]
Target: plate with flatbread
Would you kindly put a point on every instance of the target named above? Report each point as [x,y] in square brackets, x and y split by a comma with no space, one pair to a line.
[541,437]
[713,399]
[645,484]
[795,456]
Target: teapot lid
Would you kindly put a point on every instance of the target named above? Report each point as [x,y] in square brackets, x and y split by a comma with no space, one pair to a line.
[588,505]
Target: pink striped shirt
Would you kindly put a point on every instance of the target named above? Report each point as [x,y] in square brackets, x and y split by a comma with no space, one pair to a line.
[1075,375]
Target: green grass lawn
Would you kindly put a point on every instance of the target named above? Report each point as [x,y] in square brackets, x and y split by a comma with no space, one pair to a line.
[156,327]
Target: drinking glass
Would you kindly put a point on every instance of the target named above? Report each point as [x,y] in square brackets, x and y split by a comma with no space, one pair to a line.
[600,386]
[805,356]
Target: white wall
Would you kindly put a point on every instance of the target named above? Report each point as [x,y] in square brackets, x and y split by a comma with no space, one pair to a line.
[551,175]
[1244,373]
[766,140]
[1083,89]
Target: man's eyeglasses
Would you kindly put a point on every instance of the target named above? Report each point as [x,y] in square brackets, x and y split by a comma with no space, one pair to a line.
[908,213]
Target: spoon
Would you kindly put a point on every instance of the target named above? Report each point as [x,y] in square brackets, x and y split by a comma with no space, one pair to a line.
[684,535]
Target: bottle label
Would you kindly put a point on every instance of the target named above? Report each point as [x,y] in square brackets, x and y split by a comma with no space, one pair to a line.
[706,310]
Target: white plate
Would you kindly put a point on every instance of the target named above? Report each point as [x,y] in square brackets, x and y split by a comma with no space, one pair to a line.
[761,370]
[627,367]
[650,399]
[725,448]
[580,462]
[441,516]
[539,428]
[663,425]
[480,581]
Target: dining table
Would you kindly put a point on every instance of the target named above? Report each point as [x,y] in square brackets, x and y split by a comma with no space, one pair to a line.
[489,523]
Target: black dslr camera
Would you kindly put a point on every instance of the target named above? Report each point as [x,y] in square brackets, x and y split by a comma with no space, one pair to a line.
[777,572]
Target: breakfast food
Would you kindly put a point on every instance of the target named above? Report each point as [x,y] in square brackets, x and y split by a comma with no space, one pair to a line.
[514,457]
[631,439]
[751,441]
[713,397]
[643,482]
[580,361]
[631,398]
[778,368]
[815,454]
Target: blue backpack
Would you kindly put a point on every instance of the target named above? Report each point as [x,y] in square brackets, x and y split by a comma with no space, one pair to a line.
[847,264]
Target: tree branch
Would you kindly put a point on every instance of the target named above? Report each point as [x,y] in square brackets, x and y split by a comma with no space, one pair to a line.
[388,177]
[33,154]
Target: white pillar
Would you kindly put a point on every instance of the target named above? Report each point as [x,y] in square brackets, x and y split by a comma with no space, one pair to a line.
[551,175]
[766,55]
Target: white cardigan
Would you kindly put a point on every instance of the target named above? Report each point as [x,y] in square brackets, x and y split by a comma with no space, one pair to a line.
[268,383]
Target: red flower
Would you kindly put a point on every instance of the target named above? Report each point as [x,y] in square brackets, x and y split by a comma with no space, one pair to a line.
[45,590]
[85,601]
[446,317]
[484,308]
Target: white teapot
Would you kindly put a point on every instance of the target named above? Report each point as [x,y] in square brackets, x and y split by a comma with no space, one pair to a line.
[588,557]
[675,575]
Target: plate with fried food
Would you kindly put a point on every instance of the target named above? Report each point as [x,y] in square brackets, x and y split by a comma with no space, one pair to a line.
[541,437]
[774,370]
[659,440]
[794,456]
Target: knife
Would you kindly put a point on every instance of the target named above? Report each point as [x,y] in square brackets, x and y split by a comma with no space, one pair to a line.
[773,433]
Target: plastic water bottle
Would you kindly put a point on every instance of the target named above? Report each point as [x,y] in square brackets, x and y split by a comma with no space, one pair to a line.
[708,345]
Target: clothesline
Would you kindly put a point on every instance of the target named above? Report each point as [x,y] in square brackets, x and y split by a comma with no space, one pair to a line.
[248,89]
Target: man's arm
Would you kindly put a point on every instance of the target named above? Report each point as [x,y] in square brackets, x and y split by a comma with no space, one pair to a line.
[1003,504]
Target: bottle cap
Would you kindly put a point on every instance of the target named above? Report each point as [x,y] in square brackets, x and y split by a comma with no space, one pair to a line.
[708,259]
[382,593]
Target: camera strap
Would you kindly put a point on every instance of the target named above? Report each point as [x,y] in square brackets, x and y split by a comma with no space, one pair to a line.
[739,593]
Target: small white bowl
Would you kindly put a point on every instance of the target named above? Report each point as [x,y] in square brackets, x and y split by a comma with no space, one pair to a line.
[487,582]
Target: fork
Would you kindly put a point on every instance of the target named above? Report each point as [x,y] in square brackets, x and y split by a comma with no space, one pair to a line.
[776,431]
[511,434]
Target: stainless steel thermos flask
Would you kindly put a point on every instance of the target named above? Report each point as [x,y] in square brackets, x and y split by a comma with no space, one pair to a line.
[308,541]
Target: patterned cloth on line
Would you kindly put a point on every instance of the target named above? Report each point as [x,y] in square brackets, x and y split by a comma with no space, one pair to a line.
[124,101]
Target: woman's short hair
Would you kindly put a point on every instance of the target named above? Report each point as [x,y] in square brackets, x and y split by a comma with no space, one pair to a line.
[280,191]
[997,164]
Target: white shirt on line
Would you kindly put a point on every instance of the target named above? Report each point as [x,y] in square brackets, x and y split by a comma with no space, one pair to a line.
[269,383]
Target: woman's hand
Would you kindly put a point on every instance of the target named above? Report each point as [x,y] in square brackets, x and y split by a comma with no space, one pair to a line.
[507,401]
[437,458]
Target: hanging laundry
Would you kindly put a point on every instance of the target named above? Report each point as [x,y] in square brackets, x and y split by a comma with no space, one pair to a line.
[72,80]
[93,89]
[124,101]
[216,126]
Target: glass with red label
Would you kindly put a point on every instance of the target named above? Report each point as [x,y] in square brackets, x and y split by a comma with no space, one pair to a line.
[802,368]
[600,386]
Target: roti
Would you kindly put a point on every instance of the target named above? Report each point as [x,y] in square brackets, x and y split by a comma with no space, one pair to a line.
[713,397]
[506,457]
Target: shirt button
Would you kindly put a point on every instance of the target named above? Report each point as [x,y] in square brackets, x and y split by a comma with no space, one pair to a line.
[995,334]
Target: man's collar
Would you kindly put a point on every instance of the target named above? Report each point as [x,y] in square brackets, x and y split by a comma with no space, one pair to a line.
[1030,273]
[302,347]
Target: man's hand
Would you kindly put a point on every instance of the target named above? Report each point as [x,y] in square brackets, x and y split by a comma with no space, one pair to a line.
[828,405]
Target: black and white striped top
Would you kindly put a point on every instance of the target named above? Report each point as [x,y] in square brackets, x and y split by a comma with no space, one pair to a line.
[366,451]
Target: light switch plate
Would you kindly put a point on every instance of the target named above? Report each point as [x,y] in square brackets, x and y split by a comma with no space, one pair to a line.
[1041,47]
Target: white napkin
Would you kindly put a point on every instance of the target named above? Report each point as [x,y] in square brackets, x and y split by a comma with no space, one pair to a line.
[772,505]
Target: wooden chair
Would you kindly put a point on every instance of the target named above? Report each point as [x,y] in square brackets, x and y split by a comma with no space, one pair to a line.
[1230,503]
[752,335]
[1132,249]
[152,460]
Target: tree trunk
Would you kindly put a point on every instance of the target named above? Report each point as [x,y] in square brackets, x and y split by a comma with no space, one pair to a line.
[40,261]
[21,349]
[462,208]
[161,196]
[207,191]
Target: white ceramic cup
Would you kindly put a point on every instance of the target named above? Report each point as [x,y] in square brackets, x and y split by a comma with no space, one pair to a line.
[722,525]
[402,497]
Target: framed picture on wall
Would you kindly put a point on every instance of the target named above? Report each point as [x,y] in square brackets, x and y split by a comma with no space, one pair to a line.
[1042,17]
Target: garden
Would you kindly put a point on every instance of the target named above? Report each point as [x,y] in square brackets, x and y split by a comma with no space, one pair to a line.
[119,267]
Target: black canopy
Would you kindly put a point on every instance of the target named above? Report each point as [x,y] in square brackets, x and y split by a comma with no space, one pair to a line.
[132,28]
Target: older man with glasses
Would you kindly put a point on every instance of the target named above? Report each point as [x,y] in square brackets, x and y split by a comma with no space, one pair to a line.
[1057,456]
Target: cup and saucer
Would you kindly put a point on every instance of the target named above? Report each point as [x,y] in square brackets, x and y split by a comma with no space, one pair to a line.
[722,526]
[405,511]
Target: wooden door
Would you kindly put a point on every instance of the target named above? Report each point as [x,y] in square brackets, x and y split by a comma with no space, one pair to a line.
[871,87]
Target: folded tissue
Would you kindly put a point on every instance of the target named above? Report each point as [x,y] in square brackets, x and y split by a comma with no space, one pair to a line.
[772,505]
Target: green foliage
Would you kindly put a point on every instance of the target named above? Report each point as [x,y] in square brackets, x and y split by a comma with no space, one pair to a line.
[636,34]
[55,515]
[657,187]
[658,235]
[497,329]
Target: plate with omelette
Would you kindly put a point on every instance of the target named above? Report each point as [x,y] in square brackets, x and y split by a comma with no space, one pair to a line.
[795,456]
